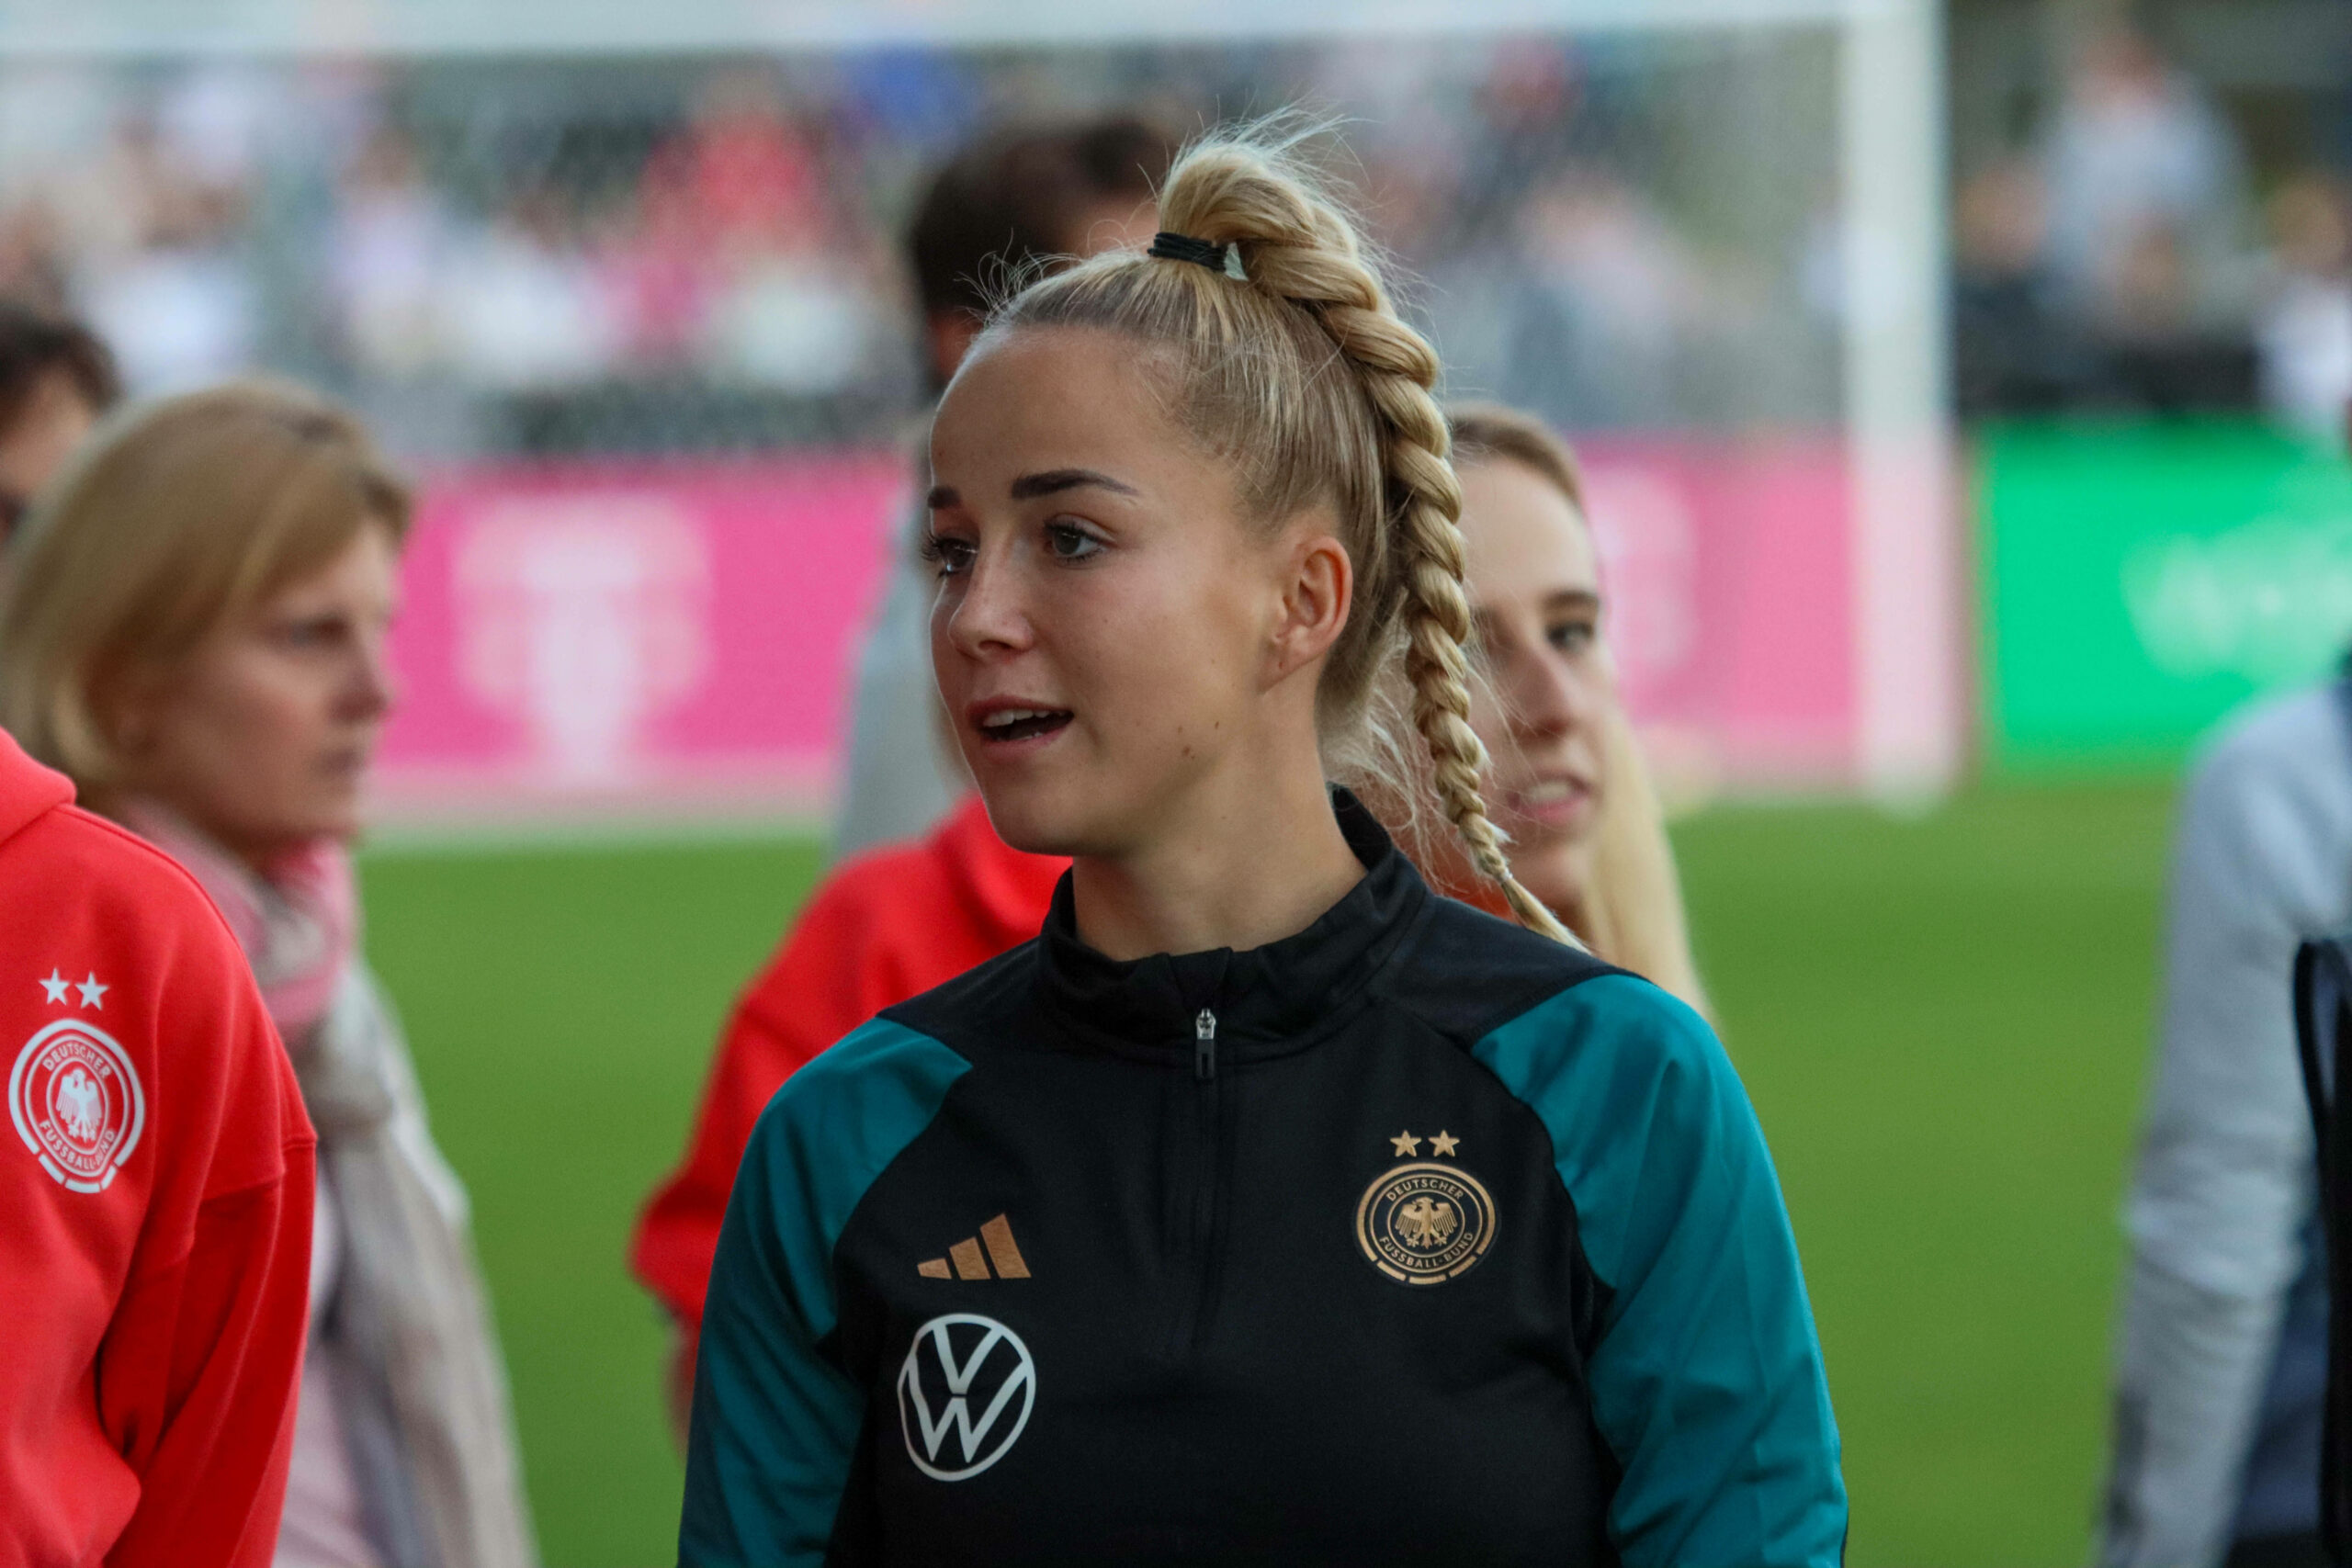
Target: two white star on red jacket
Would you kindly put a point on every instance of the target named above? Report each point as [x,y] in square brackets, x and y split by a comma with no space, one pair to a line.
[93,994]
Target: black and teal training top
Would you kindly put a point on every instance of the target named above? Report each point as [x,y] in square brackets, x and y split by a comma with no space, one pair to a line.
[1412,1239]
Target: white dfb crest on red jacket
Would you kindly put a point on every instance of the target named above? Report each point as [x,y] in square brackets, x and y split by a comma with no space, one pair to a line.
[77,1103]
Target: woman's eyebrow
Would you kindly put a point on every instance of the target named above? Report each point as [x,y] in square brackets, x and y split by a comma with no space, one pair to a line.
[1028,487]
[941,498]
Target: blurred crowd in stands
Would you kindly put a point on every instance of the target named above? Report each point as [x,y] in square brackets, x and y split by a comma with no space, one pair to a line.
[649,255]
[328,221]
[2128,256]
[646,255]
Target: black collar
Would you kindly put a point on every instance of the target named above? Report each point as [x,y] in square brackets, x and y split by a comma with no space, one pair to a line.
[1283,994]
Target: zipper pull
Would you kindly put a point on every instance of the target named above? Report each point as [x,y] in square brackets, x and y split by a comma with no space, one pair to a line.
[1205,1045]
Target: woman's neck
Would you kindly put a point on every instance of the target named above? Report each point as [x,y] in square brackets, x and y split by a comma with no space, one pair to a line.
[142,810]
[1247,862]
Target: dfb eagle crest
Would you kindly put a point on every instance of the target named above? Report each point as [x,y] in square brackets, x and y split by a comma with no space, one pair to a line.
[81,1105]
[1426,1222]
[76,1102]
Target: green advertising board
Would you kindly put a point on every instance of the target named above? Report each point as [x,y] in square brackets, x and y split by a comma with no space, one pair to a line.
[2141,581]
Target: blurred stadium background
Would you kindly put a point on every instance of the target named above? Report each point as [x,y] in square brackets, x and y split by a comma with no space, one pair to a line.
[1963,386]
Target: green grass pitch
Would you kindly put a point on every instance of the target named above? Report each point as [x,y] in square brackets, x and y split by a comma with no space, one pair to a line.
[1943,1021]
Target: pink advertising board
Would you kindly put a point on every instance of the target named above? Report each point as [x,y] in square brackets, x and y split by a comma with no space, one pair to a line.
[591,637]
[1727,570]
[600,638]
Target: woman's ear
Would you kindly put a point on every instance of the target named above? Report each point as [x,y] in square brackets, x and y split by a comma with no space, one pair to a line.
[125,705]
[1318,586]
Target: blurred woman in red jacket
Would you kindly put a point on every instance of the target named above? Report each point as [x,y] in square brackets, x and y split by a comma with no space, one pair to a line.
[156,1193]
[195,633]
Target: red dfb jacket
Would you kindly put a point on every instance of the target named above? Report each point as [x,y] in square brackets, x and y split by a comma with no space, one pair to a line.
[886,926]
[155,1188]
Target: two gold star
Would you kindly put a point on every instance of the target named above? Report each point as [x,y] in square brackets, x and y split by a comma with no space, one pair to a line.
[1406,1144]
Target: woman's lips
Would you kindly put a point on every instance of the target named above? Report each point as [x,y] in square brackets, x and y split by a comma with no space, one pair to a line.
[1562,801]
[1016,725]
[345,763]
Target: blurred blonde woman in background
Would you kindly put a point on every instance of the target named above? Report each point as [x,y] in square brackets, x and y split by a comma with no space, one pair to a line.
[1567,779]
[194,630]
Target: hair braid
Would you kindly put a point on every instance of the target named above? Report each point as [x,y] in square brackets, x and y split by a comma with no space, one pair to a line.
[1398,369]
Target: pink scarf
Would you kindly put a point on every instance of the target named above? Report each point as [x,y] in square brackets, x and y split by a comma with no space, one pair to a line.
[428,1383]
[298,920]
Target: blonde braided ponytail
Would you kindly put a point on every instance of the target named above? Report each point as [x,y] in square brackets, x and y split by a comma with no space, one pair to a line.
[1254,376]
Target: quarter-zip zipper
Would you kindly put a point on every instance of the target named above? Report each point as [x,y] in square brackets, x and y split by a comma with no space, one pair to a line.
[1204,1195]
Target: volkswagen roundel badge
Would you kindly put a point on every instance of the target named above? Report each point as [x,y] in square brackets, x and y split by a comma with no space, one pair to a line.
[964,1395]
[77,1103]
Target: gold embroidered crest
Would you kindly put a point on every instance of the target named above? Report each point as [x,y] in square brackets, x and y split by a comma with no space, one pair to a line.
[1425,1224]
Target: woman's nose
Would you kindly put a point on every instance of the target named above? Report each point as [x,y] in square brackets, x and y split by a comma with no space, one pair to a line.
[988,614]
[374,686]
[1548,697]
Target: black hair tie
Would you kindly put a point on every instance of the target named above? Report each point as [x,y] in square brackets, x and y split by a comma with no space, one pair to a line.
[1183,247]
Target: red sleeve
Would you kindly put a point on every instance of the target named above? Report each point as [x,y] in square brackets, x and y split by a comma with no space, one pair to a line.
[834,971]
[199,1370]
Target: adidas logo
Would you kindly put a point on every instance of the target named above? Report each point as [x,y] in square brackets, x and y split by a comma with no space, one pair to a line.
[971,1262]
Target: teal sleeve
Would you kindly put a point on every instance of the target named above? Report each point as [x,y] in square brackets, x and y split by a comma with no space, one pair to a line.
[1706,1376]
[775,1418]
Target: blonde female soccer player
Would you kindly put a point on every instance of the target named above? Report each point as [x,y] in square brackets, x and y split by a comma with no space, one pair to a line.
[1267,1207]
[1568,785]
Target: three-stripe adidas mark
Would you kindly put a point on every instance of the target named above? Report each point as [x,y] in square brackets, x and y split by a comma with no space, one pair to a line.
[972,1263]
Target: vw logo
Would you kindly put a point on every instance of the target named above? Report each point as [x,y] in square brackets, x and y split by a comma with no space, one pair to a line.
[964,1395]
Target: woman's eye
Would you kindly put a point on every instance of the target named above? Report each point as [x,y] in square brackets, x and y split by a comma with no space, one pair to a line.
[953,558]
[1068,542]
[1572,636]
[313,633]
